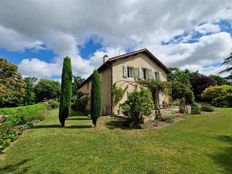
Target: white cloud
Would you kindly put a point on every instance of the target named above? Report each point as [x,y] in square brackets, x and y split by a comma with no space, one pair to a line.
[207,28]
[38,68]
[119,25]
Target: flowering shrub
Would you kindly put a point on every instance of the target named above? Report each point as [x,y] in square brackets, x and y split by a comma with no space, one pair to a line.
[139,103]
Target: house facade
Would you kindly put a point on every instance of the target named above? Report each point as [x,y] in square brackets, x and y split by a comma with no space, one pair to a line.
[123,71]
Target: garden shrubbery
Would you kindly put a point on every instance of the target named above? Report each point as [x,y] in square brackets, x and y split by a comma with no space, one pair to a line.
[81,103]
[220,96]
[139,103]
[53,104]
[195,109]
[13,121]
[207,108]
[223,101]
[168,118]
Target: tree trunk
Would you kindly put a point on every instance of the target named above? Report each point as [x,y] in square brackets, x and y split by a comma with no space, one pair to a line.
[156,100]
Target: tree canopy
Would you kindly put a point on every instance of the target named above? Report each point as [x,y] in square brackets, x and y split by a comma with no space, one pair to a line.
[183,76]
[228,63]
[77,80]
[47,89]
[12,86]
[30,96]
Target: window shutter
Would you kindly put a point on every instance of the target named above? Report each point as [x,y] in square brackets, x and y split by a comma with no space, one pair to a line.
[150,74]
[156,75]
[124,71]
[153,75]
[136,73]
[159,76]
[141,73]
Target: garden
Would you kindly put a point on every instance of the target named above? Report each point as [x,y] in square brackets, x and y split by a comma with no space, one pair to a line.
[55,130]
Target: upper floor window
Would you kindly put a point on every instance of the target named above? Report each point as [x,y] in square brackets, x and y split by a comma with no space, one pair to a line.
[157,75]
[130,72]
[140,73]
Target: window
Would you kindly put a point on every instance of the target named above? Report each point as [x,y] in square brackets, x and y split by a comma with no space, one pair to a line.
[129,72]
[144,73]
[157,76]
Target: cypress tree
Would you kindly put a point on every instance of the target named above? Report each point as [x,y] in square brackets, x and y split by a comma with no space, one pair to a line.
[96,97]
[66,91]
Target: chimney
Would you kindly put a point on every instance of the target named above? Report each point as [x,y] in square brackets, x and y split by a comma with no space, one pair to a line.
[105,58]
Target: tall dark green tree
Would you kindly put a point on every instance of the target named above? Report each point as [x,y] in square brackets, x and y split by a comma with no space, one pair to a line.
[66,91]
[220,80]
[96,97]
[228,63]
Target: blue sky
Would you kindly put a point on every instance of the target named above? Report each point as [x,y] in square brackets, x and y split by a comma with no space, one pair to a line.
[187,35]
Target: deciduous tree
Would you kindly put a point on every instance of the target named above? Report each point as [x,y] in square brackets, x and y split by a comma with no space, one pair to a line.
[47,89]
[12,86]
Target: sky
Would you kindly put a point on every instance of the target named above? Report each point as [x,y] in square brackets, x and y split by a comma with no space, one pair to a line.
[37,35]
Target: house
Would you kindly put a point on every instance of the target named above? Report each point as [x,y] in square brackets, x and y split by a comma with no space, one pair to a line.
[124,70]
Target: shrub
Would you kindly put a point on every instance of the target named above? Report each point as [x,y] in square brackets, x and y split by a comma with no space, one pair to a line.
[220,101]
[213,92]
[53,104]
[139,103]
[96,97]
[195,109]
[223,101]
[207,108]
[81,103]
[17,120]
[229,100]
[66,91]
[168,118]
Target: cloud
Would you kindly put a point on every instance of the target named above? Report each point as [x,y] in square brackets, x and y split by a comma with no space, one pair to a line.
[118,25]
[207,28]
[38,68]
[210,49]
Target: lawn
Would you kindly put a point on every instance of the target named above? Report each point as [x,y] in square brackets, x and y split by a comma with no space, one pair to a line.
[199,144]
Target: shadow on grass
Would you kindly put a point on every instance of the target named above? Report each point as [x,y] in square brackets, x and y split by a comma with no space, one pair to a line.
[59,126]
[76,113]
[117,123]
[78,118]
[225,157]
[15,167]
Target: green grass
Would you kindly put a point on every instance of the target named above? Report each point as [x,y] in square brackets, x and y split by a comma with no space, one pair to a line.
[199,144]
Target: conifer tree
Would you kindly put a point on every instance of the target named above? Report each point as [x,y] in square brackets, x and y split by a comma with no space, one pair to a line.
[96,97]
[66,91]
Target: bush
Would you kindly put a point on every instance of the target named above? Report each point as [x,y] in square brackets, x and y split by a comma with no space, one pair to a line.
[220,102]
[195,109]
[168,118]
[139,103]
[17,120]
[81,102]
[223,101]
[229,100]
[53,104]
[207,108]
[213,92]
